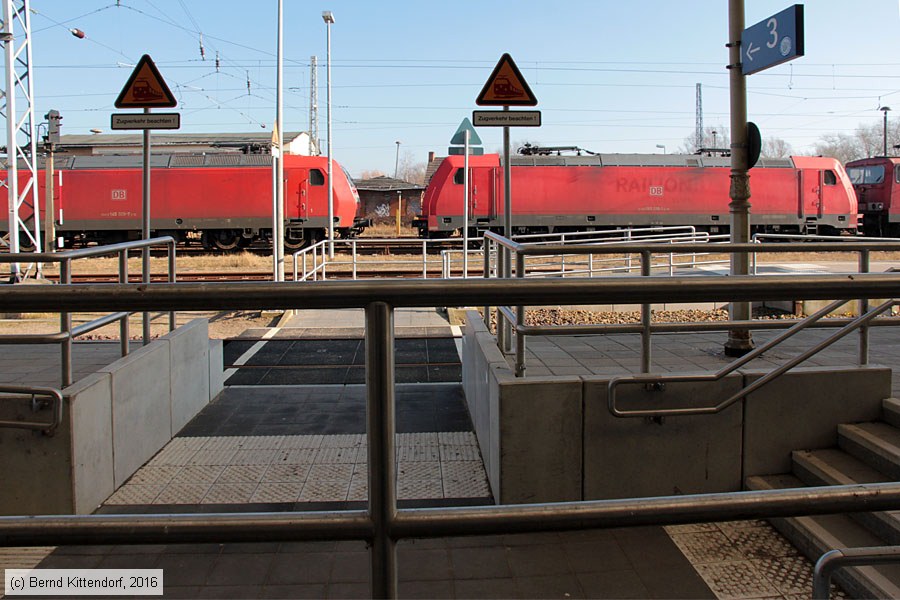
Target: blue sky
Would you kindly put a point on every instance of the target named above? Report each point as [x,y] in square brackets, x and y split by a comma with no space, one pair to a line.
[609,76]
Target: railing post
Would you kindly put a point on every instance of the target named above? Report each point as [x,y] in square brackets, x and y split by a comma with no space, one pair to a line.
[65,324]
[424,259]
[645,317]
[381,427]
[520,320]
[863,309]
[124,333]
[172,278]
[487,275]
[502,342]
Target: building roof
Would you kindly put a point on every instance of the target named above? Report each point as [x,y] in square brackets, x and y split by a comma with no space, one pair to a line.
[384,183]
[432,166]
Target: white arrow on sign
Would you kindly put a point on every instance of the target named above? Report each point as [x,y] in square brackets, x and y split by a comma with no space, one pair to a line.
[751,50]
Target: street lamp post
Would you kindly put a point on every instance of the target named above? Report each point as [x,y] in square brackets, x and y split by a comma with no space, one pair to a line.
[328,17]
[662,147]
[885,110]
[278,156]
[397,161]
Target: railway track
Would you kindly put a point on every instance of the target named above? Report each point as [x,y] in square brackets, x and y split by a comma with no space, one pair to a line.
[233,276]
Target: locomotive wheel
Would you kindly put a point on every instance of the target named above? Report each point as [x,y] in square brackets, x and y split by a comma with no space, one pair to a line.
[224,240]
[294,244]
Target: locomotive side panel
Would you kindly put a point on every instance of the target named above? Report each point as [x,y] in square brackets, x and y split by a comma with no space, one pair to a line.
[551,196]
[230,206]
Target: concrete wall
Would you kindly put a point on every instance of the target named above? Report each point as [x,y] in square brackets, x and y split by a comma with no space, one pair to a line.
[113,422]
[778,419]
[548,439]
[636,457]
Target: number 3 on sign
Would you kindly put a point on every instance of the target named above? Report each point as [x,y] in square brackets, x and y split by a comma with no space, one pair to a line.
[772,24]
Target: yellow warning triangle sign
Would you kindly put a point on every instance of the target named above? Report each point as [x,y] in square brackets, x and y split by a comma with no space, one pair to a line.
[145,88]
[506,87]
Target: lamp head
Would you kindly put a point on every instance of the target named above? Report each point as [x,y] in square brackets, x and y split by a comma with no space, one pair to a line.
[328,17]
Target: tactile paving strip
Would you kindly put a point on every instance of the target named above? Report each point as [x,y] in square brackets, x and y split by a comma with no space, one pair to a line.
[302,468]
[745,559]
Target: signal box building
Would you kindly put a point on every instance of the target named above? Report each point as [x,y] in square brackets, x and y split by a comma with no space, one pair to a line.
[380,197]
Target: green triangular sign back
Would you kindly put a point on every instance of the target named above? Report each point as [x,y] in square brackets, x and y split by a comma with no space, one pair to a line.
[460,136]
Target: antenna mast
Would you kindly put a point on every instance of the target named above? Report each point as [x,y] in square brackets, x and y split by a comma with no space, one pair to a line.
[313,108]
[698,134]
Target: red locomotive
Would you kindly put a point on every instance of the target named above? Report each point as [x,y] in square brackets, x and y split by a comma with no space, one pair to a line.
[877,183]
[224,200]
[552,194]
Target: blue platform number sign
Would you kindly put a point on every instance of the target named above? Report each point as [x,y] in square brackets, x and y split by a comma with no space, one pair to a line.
[772,41]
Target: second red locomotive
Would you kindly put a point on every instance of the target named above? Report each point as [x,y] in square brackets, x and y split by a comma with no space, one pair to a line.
[552,194]
[877,184]
[222,200]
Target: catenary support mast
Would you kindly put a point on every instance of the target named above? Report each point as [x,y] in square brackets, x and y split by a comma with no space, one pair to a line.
[21,145]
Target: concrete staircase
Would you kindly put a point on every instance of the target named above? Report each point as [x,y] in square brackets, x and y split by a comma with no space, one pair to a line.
[866,453]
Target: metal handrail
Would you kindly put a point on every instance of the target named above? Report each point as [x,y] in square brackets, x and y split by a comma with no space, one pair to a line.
[383,523]
[68,333]
[838,558]
[55,400]
[662,379]
[321,262]
[505,323]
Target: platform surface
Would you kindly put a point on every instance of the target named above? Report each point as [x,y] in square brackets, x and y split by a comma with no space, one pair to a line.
[302,447]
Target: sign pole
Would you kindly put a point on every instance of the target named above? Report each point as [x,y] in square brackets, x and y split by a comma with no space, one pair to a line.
[49,222]
[465,229]
[740,341]
[145,224]
[507,227]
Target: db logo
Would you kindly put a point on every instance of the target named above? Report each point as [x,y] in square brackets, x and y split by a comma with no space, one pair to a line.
[656,190]
[119,195]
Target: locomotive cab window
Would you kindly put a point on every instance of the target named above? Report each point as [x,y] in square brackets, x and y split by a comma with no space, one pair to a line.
[830,178]
[866,174]
[316,177]
[459,177]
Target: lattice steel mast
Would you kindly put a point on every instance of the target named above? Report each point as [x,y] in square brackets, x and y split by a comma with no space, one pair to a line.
[313,107]
[698,132]
[18,109]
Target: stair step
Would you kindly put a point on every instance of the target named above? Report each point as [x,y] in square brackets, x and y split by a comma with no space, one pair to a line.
[891,411]
[877,444]
[834,467]
[814,536]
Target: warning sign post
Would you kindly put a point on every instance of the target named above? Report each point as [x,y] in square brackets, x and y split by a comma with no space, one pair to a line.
[145,89]
[507,87]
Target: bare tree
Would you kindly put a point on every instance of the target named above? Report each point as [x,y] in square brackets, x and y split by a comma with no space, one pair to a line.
[867,140]
[713,137]
[775,148]
[371,174]
[409,170]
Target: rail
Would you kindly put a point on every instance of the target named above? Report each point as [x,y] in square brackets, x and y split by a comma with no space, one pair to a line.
[513,319]
[382,524]
[656,381]
[563,265]
[67,334]
[52,399]
[313,263]
[838,558]
[445,257]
